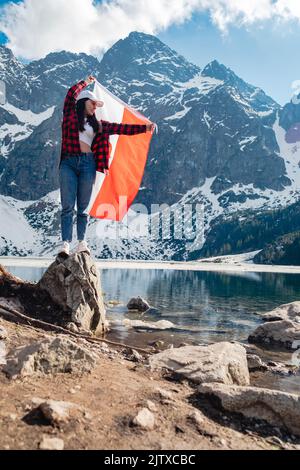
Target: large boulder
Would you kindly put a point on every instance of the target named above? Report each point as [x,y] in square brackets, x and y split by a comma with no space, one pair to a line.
[283,333]
[290,311]
[74,284]
[277,408]
[220,362]
[49,356]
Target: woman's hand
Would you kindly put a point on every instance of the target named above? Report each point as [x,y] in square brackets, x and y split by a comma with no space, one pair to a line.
[150,127]
[90,79]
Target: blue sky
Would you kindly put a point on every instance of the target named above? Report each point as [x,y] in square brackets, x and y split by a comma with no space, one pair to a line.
[264,55]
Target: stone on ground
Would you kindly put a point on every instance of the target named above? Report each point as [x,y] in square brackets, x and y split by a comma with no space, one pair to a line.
[277,408]
[220,362]
[144,419]
[51,443]
[49,356]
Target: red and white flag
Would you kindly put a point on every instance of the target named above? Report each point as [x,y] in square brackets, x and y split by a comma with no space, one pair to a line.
[114,193]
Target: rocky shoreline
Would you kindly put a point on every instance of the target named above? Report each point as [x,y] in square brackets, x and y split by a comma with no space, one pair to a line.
[70,390]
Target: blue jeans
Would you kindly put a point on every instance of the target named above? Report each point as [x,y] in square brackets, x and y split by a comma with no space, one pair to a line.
[77,175]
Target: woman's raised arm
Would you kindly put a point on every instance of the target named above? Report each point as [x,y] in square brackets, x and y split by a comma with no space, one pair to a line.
[74,91]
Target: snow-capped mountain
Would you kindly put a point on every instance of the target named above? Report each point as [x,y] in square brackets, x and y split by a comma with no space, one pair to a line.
[222,144]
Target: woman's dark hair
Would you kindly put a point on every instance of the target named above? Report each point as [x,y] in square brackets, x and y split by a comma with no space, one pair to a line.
[92,120]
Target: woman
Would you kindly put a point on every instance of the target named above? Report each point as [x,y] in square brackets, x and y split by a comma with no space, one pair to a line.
[84,150]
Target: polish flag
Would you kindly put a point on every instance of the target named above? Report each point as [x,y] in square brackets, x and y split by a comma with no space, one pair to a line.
[114,193]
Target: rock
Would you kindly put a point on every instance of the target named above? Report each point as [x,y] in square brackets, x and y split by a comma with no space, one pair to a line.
[132,355]
[74,284]
[104,347]
[277,408]
[151,405]
[164,395]
[71,326]
[219,442]
[284,370]
[87,415]
[282,333]
[290,311]
[140,324]
[49,356]
[144,419]
[56,412]
[250,348]
[13,303]
[138,303]
[220,362]
[2,353]
[3,332]
[197,418]
[203,426]
[255,363]
[51,443]
[136,356]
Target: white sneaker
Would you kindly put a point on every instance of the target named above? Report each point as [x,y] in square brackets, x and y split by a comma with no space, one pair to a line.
[64,248]
[82,246]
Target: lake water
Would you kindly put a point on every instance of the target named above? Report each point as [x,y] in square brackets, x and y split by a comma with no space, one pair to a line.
[204,306]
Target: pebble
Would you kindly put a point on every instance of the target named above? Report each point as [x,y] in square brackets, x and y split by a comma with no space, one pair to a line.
[196,417]
[51,443]
[151,405]
[144,419]
[164,395]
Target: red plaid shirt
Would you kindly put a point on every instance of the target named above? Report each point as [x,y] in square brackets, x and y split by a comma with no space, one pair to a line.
[100,145]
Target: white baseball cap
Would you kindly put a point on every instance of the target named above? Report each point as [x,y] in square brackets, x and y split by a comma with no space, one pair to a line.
[90,95]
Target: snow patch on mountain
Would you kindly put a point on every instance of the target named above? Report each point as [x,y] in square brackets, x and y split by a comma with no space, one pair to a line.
[291,154]
[12,133]
[247,141]
[27,116]
[16,234]
[204,84]
[177,94]
[232,259]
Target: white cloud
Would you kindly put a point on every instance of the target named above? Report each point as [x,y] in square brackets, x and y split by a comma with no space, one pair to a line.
[34,27]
